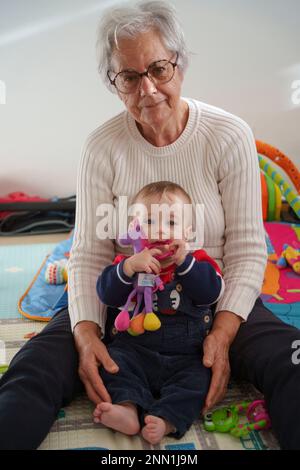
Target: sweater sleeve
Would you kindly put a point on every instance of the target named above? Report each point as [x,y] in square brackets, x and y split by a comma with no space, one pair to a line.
[114,286]
[245,253]
[89,253]
[202,283]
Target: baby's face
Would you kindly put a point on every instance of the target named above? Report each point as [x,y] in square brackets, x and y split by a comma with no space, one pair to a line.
[164,218]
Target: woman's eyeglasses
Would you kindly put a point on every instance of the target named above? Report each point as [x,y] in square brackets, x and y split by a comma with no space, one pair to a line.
[159,72]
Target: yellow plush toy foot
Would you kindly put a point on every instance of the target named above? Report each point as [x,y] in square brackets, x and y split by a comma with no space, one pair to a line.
[151,322]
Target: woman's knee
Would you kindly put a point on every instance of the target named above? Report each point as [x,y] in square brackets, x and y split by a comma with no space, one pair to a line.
[263,346]
[48,362]
[60,322]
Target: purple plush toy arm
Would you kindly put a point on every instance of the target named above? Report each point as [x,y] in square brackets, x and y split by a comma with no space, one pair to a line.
[159,285]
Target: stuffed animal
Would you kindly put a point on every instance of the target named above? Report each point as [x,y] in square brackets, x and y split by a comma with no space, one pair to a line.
[56,273]
[289,257]
[144,286]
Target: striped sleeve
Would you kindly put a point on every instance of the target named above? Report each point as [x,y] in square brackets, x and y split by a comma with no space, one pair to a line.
[89,254]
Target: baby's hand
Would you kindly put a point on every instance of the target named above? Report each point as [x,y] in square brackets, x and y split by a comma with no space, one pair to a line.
[181,248]
[142,262]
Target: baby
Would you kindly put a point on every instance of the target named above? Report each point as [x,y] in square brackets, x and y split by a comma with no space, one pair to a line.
[161,384]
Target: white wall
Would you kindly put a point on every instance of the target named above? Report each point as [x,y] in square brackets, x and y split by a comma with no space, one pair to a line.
[245,59]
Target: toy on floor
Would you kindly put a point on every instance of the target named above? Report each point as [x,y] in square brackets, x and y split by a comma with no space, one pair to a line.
[271,198]
[292,198]
[144,285]
[56,273]
[3,368]
[227,419]
[289,257]
[281,160]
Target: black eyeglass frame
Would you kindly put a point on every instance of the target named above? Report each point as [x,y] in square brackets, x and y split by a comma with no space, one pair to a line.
[143,74]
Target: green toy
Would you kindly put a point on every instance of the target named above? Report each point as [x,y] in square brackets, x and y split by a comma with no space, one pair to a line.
[3,369]
[227,419]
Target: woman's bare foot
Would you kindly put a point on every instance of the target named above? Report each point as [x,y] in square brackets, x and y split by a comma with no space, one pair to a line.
[155,429]
[122,418]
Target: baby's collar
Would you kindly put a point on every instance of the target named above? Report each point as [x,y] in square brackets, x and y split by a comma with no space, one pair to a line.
[167,273]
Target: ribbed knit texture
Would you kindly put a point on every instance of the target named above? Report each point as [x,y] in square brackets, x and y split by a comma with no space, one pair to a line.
[214,159]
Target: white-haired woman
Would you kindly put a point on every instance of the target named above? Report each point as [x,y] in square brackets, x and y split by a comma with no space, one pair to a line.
[212,154]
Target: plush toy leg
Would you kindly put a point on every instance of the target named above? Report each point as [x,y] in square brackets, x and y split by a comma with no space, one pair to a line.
[123,319]
[136,311]
[151,321]
[137,325]
[137,321]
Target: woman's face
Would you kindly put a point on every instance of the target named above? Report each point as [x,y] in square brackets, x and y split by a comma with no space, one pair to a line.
[151,105]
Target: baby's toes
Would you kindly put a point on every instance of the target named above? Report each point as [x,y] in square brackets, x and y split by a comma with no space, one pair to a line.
[97,411]
[151,427]
[150,420]
[97,414]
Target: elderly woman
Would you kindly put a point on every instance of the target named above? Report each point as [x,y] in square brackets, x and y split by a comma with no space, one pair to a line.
[212,154]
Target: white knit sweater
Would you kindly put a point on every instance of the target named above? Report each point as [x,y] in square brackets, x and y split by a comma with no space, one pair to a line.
[214,159]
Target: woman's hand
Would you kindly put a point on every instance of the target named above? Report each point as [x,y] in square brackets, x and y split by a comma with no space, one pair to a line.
[216,355]
[93,354]
[215,349]
[143,262]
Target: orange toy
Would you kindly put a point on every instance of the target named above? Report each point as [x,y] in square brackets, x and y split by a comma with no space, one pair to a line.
[264,195]
[271,279]
[281,160]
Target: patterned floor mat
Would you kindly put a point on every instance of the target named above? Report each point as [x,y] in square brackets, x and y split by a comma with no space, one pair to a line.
[74,428]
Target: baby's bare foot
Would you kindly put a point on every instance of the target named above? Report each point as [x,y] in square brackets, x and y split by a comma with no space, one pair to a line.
[155,429]
[122,418]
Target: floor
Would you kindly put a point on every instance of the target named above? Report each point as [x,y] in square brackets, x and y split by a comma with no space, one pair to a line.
[29,239]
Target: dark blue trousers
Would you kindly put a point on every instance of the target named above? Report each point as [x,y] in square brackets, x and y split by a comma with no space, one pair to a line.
[43,377]
[161,371]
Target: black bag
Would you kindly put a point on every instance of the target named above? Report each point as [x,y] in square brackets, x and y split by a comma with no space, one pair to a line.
[32,218]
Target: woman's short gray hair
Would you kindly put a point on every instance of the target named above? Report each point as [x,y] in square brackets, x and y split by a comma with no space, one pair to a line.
[130,21]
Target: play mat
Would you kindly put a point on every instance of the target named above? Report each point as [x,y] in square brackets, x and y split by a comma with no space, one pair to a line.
[74,427]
